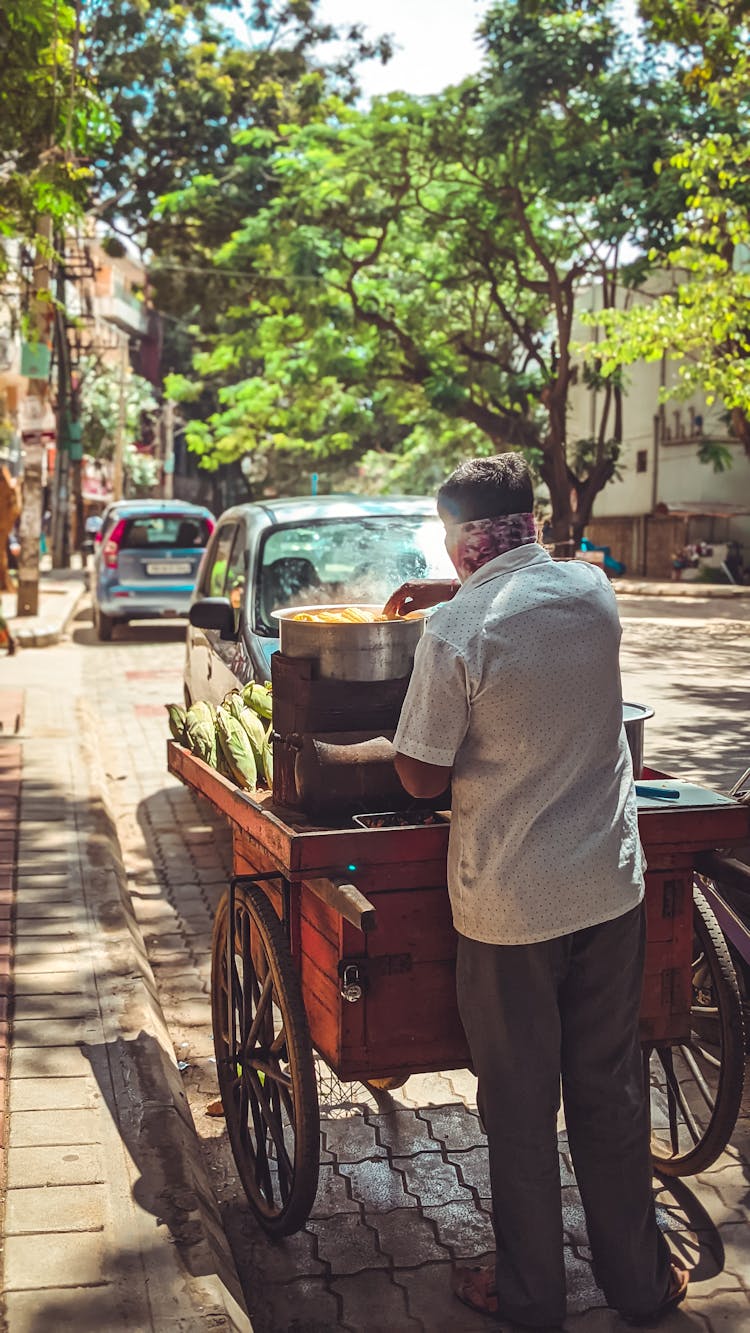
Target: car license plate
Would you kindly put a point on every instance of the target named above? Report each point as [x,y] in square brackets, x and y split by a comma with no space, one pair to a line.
[168,567]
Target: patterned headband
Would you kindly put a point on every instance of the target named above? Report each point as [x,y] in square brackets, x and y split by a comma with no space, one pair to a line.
[474,544]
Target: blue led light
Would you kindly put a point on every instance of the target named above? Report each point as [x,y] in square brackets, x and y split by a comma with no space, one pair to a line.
[351,867]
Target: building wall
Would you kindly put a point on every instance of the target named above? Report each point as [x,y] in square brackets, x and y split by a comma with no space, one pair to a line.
[659,463]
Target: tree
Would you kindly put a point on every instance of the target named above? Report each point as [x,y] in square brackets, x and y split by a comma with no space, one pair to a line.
[98,392]
[417,267]
[704,321]
[49,115]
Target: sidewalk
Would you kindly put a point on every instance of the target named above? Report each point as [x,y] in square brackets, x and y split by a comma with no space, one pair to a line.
[630,587]
[110,1220]
[60,592]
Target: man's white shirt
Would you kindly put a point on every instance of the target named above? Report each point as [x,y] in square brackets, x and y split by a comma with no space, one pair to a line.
[516,685]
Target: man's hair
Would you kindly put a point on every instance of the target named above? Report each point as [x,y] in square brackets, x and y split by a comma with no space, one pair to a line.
[487,488]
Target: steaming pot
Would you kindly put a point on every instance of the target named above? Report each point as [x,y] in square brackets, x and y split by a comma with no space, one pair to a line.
[381,650]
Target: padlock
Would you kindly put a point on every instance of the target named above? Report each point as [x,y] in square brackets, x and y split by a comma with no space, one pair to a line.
[351,989]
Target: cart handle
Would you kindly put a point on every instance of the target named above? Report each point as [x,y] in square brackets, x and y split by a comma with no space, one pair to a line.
[347,900]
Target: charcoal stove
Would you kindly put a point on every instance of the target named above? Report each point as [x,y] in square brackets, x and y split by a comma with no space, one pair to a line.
[333,733]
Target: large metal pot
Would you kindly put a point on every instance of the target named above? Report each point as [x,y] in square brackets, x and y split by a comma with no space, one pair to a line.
[382,650]
[634,716]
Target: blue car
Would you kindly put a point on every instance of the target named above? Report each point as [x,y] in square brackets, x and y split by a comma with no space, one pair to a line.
[146,561]
[299,552]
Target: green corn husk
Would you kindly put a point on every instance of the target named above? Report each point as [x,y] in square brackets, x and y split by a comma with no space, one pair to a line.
[236,748]
[258,697]
[268,762]
[256,733]
[200,731]
[177,719]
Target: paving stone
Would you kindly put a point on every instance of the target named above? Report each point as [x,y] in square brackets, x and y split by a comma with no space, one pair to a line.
[351,1139]
[74,1310]
[463,1228]
[430,1179]
[48,1062]
[56,1031]
[45,912]
[736,1243]
[723,1312]
[402,1132]
[30,1007]
[75,1259]
[40,960]
[407,1239]
[430,1301]
[377,1185]
[347,1244]
[455,1127]
[304,1306]
[333,1195]
[57,1208]
[51,983]
[66,1094]
[427,1090]
[288,1258]
[30,1167]
[373,1303]
[583,1293]
[32,1129]
[474,1168]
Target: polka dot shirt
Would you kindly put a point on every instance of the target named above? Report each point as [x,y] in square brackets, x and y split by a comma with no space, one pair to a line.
[516,685]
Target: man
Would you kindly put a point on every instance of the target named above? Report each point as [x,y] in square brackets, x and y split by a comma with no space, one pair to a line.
[516,699]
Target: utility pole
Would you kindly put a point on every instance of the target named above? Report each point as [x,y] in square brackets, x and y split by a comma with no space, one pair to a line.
[168,472]
[60,515]
[117,472]
[30,522]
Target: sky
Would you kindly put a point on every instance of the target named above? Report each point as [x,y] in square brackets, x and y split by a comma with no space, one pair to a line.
[434,39]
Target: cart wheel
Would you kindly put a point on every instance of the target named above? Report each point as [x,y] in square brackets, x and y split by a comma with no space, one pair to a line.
[388,1084]
[265,1063]
[696,1087]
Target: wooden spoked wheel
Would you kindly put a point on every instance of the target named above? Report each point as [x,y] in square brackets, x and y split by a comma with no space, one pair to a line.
[265,1062]
[696,1086]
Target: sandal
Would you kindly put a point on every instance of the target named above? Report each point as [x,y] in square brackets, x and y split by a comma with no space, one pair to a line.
[678,1285]
[475,1287]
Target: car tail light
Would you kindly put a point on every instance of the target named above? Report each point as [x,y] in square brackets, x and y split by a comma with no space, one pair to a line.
[111,548]
[210,525]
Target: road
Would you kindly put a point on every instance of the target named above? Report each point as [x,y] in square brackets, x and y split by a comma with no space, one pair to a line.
[404,1187]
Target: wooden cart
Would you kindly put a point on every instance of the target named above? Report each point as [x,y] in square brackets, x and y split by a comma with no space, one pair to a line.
[339,941]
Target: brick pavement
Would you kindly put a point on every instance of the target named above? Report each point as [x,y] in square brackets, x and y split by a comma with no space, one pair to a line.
[101,1230]
[403,1184]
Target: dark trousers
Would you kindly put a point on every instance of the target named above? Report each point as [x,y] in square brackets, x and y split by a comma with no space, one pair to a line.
[534,1014]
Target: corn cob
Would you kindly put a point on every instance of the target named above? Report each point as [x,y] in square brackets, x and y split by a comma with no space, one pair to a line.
[259,699]
[236,748]
[200,731]
[177,718]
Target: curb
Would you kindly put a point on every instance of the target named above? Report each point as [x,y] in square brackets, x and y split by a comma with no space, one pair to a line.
[681,591]
[43,633]
[152,1105]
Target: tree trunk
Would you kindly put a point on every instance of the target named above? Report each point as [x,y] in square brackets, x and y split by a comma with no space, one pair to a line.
[10,508]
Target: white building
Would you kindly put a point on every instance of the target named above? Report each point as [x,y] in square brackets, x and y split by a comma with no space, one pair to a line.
[666,497]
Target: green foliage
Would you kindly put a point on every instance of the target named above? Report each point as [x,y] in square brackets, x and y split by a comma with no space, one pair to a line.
[411,274]
[703,321]
[99,405]
[50,117]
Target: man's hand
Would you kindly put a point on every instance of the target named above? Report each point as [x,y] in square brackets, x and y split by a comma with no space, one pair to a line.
[419,595]
[422,781]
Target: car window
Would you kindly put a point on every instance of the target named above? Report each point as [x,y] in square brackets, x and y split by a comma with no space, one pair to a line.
[162,532]
[214,578]
[236,580]
[346,560]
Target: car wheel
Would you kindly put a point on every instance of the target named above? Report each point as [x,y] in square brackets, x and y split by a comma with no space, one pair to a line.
[103,625]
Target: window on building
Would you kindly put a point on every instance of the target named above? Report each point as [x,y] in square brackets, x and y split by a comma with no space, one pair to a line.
[641,460]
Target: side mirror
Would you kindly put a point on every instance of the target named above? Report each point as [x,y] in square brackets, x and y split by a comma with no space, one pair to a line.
[214,613]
